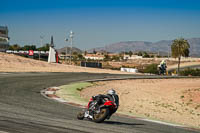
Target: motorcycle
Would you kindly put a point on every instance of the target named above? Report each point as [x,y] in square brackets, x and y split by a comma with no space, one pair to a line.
[97,111]
[162,69]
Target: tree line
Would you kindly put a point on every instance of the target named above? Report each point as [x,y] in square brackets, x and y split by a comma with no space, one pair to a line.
[29,47]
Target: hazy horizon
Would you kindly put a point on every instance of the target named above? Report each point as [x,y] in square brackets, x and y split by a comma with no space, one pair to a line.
[99,23]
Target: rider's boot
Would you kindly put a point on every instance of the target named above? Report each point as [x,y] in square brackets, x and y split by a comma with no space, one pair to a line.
[108,117]
[87,115]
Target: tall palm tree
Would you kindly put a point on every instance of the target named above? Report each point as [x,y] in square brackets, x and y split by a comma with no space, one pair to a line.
[180,47]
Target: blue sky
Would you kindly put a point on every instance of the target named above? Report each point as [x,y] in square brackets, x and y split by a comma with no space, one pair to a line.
[97,23]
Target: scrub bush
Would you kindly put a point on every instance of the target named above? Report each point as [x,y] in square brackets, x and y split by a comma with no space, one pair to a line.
[190,72]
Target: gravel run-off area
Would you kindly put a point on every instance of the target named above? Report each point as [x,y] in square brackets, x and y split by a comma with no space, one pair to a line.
[170,100]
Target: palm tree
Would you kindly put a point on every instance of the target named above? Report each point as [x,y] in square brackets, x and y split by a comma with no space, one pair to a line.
[130,53]
[180,47]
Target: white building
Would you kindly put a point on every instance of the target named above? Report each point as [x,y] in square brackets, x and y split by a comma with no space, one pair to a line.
[128,57]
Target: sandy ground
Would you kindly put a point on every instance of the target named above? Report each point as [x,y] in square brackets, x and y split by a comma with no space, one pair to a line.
[14,63]
[169,100]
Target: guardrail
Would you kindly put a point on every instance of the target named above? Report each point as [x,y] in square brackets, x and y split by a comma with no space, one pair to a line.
[26,52]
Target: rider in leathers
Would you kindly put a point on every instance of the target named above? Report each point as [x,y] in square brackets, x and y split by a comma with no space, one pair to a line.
[112,96]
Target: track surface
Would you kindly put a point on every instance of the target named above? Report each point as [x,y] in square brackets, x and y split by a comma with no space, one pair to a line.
[24,110]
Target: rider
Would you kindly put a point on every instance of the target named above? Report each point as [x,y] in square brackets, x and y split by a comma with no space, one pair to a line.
[162,67]
[112,96]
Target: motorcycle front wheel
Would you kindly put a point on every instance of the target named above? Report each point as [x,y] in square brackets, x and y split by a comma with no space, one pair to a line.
[101,116]
[80,115]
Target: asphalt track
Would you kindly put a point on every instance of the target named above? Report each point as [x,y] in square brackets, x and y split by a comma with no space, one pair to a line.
[24,110]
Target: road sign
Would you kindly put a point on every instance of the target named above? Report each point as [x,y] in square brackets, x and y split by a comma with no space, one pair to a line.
[31,52]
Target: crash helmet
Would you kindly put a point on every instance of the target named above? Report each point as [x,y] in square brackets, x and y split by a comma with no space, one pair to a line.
[111,92]
[163,62]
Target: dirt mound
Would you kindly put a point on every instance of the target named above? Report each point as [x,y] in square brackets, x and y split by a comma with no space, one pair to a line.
[14,63]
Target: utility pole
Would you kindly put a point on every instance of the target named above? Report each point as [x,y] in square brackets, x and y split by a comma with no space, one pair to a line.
[41,42]
[66,49]
[71,36]
[168,50]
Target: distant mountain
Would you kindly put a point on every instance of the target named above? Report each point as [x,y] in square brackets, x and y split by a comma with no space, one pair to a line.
[160,46]
[68,49]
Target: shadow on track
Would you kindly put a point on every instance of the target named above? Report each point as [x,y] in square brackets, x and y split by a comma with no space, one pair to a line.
[122,123]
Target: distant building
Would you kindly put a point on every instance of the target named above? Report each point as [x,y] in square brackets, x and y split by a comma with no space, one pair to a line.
[94,56]
[128,57]
[112,54]
[64,56]
[4,39]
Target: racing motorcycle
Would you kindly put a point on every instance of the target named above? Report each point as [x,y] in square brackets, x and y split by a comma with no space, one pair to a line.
[97,110]
[162,69]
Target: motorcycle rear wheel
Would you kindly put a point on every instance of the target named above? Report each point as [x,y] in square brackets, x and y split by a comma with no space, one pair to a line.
[101,116]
